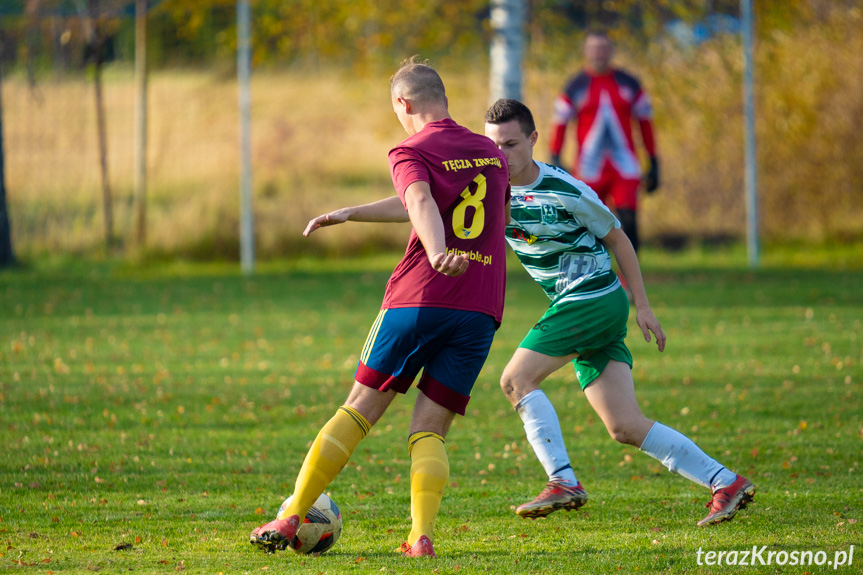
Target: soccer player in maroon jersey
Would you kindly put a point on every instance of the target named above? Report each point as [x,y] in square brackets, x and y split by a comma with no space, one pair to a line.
[440,310]
[604,102]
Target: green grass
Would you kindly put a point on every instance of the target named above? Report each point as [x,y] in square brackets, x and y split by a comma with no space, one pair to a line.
[170,409]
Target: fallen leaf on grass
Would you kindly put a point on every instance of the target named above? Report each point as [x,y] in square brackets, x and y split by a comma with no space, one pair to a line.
[123,546]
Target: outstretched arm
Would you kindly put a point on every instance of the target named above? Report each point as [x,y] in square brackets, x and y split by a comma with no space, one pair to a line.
[386,210]
[619,245]
[428,225]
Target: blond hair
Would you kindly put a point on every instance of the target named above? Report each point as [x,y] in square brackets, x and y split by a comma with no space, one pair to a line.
[416,80]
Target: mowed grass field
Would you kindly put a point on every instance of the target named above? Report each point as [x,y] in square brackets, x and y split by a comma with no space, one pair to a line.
[150,418]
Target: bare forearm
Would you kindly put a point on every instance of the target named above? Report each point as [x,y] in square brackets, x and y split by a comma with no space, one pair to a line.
[386,210]
[617,242]
[621,247]
[426,220]
[427,224]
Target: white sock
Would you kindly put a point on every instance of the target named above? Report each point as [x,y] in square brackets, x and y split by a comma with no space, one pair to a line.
[543,432]
[681,455]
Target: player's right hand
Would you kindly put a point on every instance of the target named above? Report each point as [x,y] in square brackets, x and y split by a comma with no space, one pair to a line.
[329,219]
[449,264]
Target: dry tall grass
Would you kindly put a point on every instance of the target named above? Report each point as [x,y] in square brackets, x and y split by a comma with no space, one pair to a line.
[320,141]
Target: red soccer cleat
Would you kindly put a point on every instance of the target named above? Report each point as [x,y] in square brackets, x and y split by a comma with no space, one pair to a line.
[725,502]
[555,496]
[422,548]
[277,534]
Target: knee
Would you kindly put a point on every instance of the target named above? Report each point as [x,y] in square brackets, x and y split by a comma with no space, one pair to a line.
[507,385]
[512,386]
[629,429]
[624,433]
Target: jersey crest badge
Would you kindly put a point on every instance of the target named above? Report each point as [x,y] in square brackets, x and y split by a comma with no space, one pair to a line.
[548,214]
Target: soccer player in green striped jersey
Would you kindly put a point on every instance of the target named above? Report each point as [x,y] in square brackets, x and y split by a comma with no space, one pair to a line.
[565,238]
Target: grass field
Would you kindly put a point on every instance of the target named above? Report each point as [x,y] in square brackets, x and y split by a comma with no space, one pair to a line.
[167,411]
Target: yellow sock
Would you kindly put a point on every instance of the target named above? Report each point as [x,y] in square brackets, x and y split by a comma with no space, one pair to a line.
[429,474]
[328,455]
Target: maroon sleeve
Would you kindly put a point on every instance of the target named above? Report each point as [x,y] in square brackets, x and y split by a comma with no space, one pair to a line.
[405,169]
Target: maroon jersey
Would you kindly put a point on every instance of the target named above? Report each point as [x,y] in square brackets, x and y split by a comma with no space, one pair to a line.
[604,108]
[469,181]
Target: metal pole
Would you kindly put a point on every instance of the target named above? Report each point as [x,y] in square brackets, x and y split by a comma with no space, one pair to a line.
[247,248]
[140,151]
[507,44]
[749,111]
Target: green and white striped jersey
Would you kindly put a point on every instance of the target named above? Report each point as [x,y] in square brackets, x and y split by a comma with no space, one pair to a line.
[553,230]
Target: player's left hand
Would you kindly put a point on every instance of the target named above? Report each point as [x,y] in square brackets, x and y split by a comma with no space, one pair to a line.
[449,264]
[648,323]
[651,178]
[329,219]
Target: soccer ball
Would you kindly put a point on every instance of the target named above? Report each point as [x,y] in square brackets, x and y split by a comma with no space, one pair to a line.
[320,529]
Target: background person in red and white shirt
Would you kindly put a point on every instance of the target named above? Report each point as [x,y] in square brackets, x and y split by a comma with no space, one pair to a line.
[604,102]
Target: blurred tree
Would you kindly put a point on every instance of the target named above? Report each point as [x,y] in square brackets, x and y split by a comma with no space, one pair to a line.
[7,255]
[360,33]
[314,32]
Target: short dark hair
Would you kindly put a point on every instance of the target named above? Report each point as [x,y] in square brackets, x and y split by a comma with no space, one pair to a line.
[506,110]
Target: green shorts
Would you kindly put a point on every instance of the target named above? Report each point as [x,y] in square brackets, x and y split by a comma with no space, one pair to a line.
[593,328]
